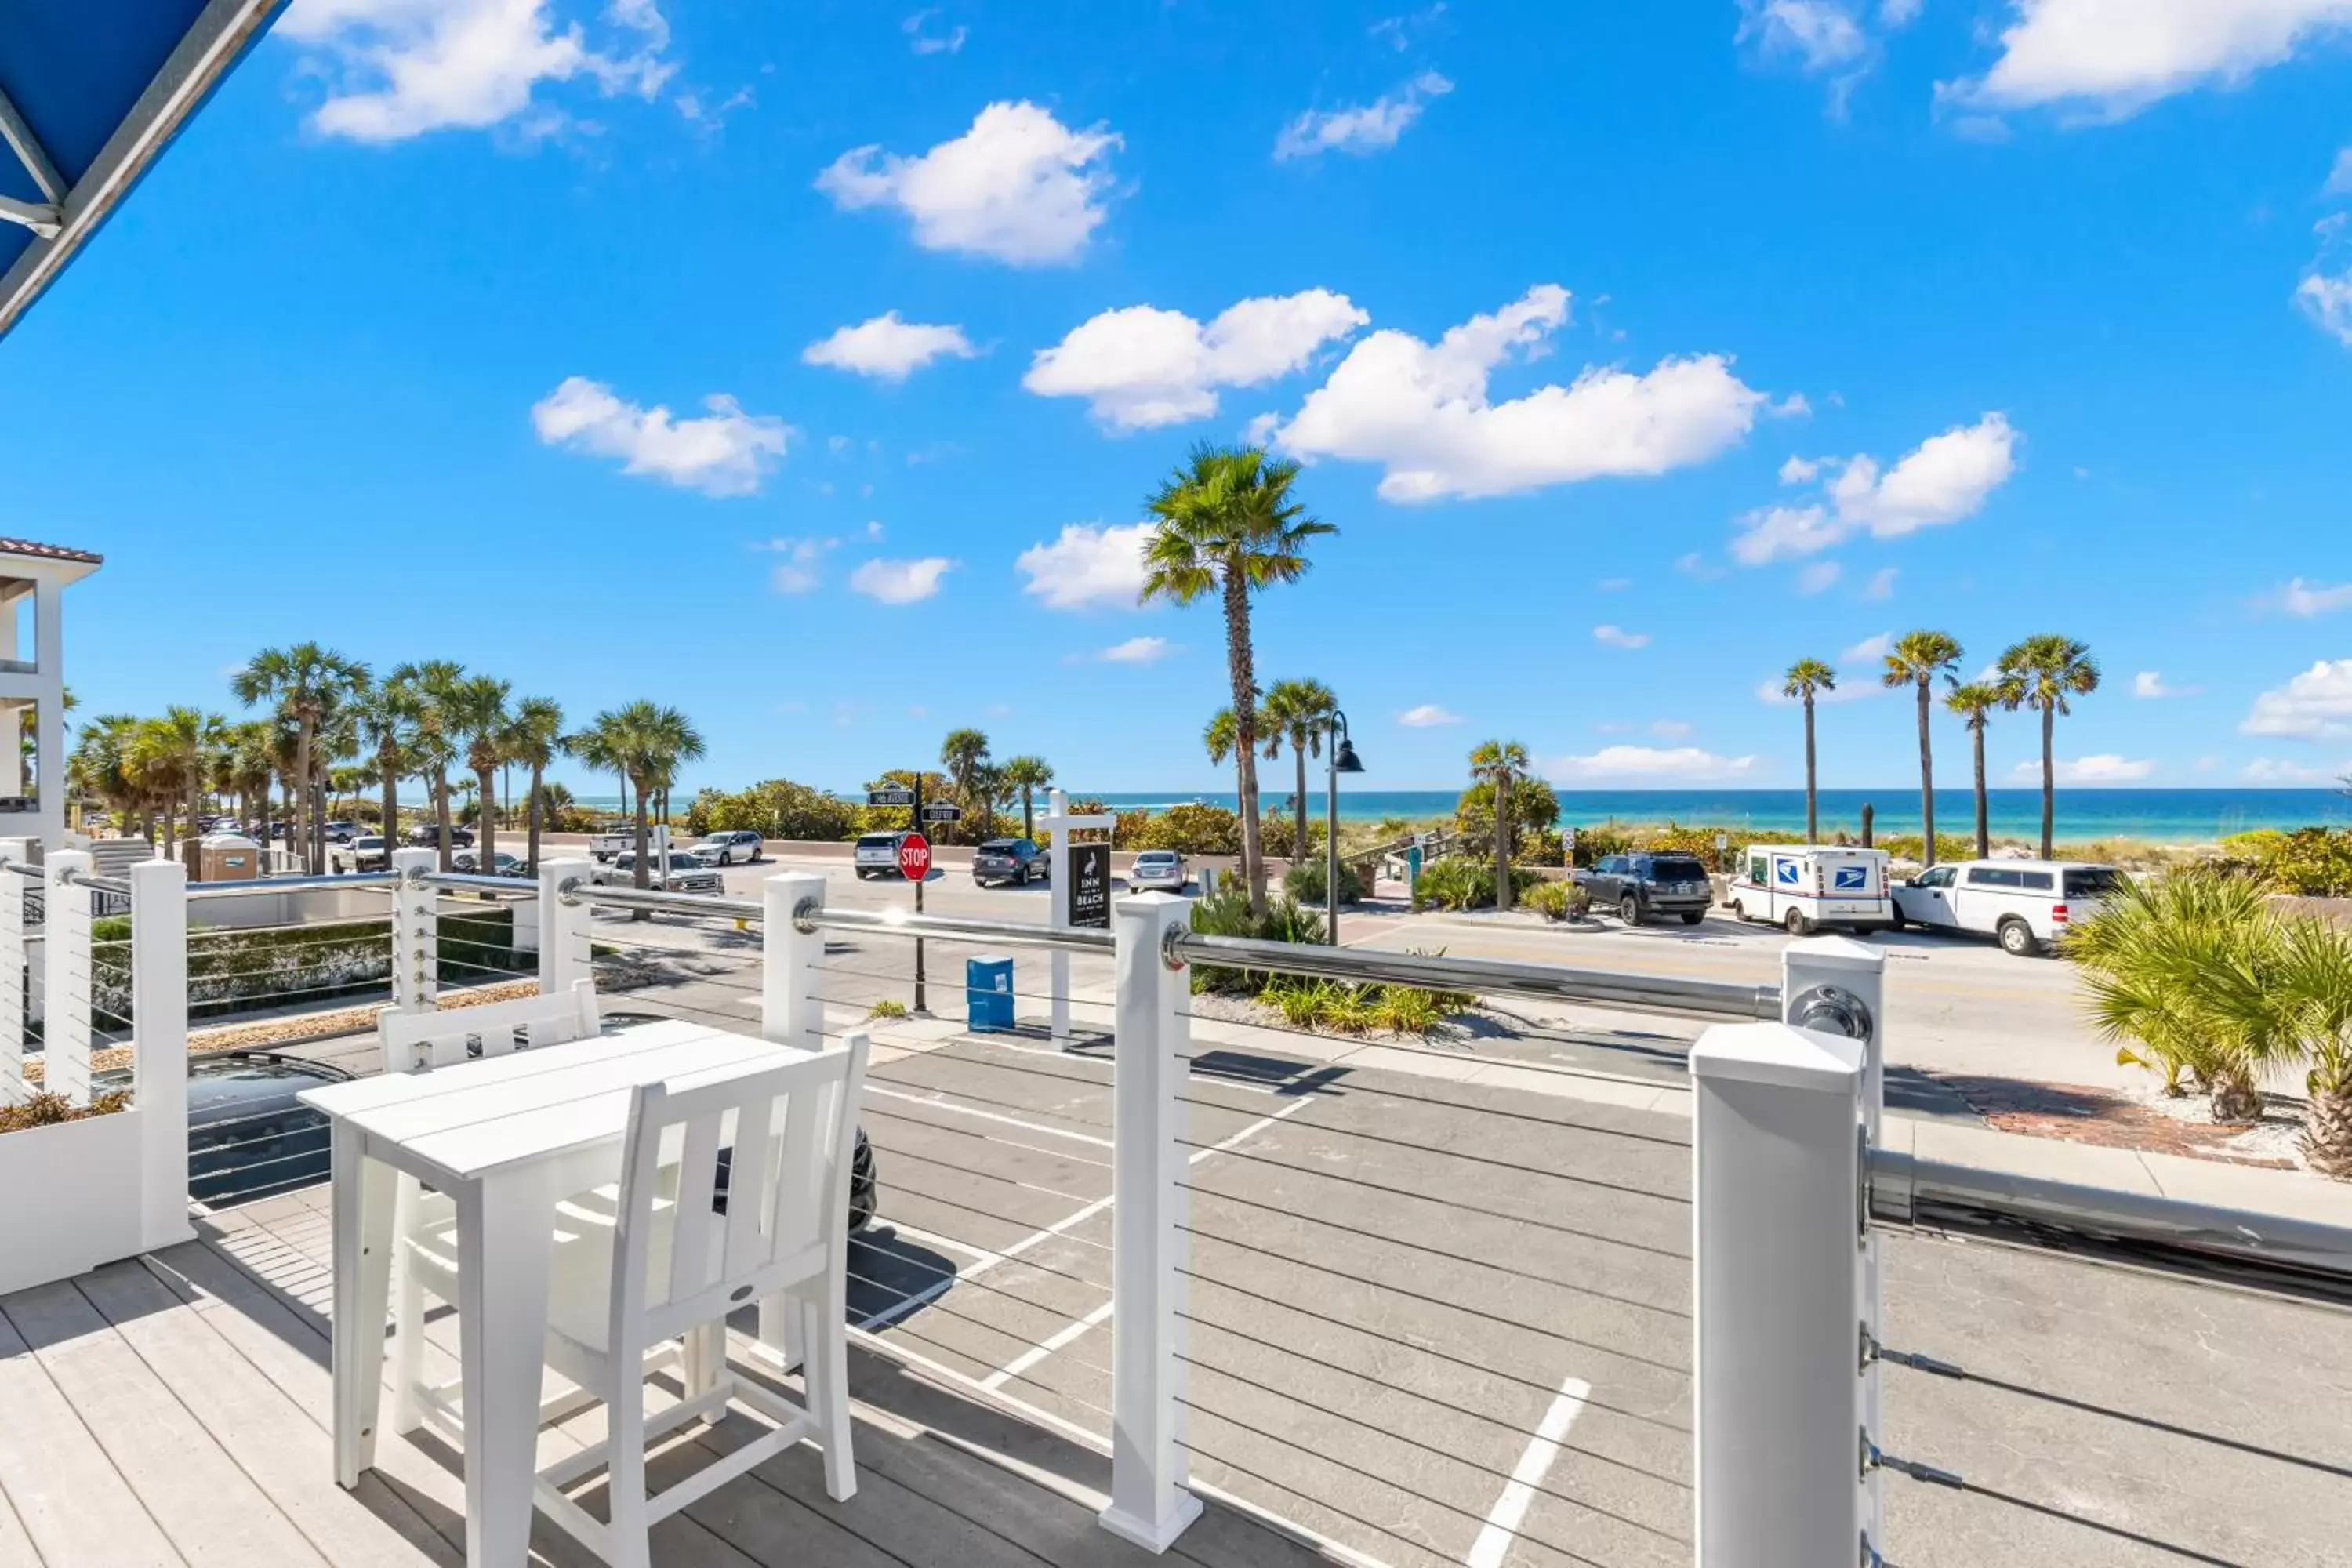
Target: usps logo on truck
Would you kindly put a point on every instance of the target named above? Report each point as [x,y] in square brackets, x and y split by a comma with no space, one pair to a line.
[1852,879]
[1785,872]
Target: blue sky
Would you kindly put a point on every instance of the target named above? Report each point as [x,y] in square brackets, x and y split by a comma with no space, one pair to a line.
[800,365]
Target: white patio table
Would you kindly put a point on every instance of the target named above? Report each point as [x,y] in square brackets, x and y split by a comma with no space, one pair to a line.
[506,1138]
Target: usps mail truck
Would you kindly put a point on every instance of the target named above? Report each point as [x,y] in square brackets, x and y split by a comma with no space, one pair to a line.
[1804,888]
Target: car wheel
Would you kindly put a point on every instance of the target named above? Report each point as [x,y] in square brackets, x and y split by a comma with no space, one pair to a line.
[1797,924]
[1692,917]
[1629,910]
[2016,938]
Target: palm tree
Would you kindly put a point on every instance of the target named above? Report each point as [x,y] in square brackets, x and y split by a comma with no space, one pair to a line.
[2042,672]
[1501,763]
[101,765]
[1299,711]
[1227,525]
[532,737]
[387,713]
[1221,734]
[964,753]
[1028,774]
[251,765]
[172,755]
[303,680]
[478,713]
[1917,659]
[1974,702]
[433,750]
[2315,979]
[1806,680]
[647,743]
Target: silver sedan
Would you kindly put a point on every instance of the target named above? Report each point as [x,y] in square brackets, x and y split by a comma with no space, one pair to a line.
[1163,869]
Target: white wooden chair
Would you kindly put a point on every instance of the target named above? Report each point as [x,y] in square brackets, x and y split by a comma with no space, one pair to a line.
[671,1269]
[424,1222]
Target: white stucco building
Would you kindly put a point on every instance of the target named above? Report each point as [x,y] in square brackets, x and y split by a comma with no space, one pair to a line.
[33,579]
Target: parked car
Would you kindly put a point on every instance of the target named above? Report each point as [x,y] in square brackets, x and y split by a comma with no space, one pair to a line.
[2024,905]
[248,1135]
[1802,887]
[1157,868]
[686,875]
[863,1194]
[877,854]
[427,834]
[613,838]
[732,846]
[1640,886]
[507,865]
[1001,860]
[341,832]
[369,853]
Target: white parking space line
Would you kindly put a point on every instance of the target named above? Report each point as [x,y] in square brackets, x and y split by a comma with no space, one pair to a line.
[1045,1347]
[1510,1510]
[941,1100]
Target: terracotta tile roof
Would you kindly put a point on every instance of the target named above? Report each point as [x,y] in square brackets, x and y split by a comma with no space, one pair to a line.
[48,552]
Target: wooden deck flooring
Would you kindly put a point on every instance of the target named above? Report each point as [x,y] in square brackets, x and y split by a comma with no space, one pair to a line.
[175,1409]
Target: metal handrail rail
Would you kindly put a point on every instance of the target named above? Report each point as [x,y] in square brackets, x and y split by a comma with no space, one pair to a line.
[580,891]
[1493,977]
[97,884]
[479,882]
[812,915]
[251,887]
[2273,1255]
[32,868]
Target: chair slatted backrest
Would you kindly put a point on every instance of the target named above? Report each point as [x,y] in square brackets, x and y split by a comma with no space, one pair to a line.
[793,1130]
[420,1042]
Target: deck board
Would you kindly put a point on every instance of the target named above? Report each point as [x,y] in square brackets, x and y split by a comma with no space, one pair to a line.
[73,1504]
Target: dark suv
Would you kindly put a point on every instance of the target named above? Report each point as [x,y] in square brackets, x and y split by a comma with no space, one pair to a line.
[1007,860]
[1640,886]
[427,834]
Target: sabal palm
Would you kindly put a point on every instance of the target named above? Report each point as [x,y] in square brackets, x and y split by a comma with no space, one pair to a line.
[250,747]
[2041,673]
[1227,525]
[387,713]
[964,753]
[1028,774]
[100,761]
[1974,702]
[1805,681]
[434,749]
[1500,764]
[1919,659]
[647,743]
[1299,713]
[1220,736]
[477,714]
[302,680]
[2314,979]
[172,755]
[532,737]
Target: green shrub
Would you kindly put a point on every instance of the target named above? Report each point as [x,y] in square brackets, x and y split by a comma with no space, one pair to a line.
[1304,882]
[43,1108]
[776,808]
[2312,862]
[1908,846]
[1557,901]
[1535,809]
[1593,842]
[1226,912]
[1462,882]
[1192,829]
[886,1008]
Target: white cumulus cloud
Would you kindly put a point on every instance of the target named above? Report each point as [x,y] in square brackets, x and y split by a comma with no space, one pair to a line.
[1428,716]
[1943,479]
[1362,128]
[1019,186]
[1869,650]
[1138,650]
[1087,566]
[1617,637]
[398,68]
[1422,411]
[2301,599]
[1821,35]
[725,452]
[1141,366]
[2149,684]
[2112,57]
[1685,762]
[2326,298]
[2315,705]
[2100,769]
[889,348]
[901,581]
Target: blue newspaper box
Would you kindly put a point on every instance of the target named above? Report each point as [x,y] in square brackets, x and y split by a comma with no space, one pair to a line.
[988,993]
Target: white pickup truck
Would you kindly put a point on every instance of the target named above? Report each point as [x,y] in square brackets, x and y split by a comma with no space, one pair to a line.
[613,838]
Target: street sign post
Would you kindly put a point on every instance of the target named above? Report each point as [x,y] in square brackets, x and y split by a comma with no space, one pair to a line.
[916,847]
[1062,878]
[942,811]
[892,795]
[914,858]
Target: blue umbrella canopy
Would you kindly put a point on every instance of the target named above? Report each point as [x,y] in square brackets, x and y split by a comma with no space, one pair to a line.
[90,94]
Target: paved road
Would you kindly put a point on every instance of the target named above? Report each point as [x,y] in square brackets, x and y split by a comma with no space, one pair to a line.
[1448,1323]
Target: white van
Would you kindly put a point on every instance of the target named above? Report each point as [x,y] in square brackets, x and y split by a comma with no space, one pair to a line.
[1804,887]
[2025,905]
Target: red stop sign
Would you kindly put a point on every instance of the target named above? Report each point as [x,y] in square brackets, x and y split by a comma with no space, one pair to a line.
[915,856]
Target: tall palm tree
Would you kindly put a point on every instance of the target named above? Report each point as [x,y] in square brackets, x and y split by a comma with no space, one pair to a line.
[1298,712]
[1501,764]
[434,748]
[478,713]
[532,737]
[2042,672]
[387,712]
[1806,680]
[251,766]
[173,756]
[1220,735]
[1227,525]
[101,765]
[1028,774]
[647,743]
[303,680]
[964,753]
[1974,702]
[1919,659]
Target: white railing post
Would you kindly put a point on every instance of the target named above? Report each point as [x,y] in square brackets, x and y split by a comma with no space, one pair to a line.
[15,982]
[415,931]
[564,951]
[1148,1503]
[64,978]
[789,958]
[159,1024]
[1837,983]
[1777,1259]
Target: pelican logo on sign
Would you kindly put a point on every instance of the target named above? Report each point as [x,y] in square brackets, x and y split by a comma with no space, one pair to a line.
[1785,871]
[1852,878]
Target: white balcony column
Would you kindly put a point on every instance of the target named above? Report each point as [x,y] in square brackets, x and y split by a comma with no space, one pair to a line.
[1150,1504]
[16,981]
[1776,1244]
[159,1022]
[65,964]
[415,937]
[790,1012]
[565,954]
